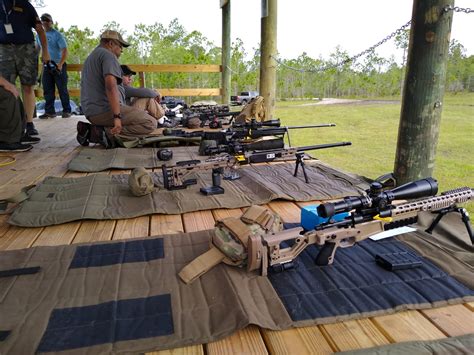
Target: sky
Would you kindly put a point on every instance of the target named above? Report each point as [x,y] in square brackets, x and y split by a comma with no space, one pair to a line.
[312,26]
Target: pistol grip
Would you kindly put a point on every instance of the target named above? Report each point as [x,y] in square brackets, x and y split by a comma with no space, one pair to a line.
[326,254]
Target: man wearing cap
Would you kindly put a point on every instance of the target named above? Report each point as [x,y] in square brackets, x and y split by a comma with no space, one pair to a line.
[101,99]
[54,73]
[18,53]
[140,98]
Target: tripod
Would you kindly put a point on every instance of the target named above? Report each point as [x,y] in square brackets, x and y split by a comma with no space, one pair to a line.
[464,217]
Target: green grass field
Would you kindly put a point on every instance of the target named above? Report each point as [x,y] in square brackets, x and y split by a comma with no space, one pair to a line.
[373,128]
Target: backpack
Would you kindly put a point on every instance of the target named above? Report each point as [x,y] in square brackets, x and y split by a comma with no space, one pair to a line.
[231,239]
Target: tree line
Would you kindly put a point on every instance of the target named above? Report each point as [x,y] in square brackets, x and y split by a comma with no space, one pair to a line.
[369,76]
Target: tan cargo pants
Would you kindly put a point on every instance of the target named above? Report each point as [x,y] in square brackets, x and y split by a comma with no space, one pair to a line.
[135,122]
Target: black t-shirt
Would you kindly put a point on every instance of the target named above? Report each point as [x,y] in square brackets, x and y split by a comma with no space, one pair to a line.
[23,18]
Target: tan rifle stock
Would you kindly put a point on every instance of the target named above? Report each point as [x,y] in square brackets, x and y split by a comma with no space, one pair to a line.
[266,251]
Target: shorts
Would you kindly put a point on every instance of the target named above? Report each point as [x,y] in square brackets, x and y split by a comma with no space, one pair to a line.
[19,60]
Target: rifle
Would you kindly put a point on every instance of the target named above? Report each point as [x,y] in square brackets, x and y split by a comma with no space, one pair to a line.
[176,177]
[231,136]
[371,214]
[254,129]
[212,117]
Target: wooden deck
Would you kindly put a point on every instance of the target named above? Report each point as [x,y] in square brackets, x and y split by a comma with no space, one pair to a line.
[50,158]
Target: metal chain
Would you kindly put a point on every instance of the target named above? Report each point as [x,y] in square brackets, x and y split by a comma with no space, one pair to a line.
[399,31]
[466,10]
[351,59]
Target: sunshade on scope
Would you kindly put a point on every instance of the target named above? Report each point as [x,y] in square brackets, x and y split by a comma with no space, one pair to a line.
[377,200]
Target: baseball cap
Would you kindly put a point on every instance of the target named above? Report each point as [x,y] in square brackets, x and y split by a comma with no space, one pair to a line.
[111,34]
[127,71]
[46,17]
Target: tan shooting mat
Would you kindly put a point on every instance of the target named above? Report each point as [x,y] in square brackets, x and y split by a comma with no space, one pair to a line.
[61,200]
[125,296]
[94,160]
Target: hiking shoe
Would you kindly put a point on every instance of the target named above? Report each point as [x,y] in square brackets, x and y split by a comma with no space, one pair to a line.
[99,135]
[66,114]
[29,139]
[30,129]
[83,133]
[15,147]
[47,115]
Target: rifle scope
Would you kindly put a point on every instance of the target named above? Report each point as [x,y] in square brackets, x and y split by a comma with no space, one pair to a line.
[378,199]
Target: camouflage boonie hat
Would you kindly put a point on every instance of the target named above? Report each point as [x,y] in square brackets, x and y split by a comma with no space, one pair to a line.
[230,240]
[140,182]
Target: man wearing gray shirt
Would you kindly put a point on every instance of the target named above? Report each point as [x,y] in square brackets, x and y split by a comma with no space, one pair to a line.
[101,98]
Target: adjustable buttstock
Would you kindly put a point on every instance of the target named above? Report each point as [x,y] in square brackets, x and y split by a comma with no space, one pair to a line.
[326,254]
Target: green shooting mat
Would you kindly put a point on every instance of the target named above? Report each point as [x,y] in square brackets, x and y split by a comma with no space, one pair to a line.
[61,200]
[126,297]
[94,160]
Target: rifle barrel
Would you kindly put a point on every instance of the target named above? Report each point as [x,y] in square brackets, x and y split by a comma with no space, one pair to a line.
[313,126]
[322,146]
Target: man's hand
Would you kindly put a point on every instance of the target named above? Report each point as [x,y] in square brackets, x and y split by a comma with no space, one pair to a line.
[60,67]
[45,57]
[117,126]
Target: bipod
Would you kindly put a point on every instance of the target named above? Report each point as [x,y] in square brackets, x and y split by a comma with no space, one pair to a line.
[445,211]
[300,161]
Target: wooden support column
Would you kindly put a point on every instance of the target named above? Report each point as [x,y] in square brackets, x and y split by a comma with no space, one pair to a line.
[141,76]
[226,45]
[423,92]
[268,51]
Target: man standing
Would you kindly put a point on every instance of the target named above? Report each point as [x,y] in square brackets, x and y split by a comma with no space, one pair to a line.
[101,100]
[55,72]
[18,53]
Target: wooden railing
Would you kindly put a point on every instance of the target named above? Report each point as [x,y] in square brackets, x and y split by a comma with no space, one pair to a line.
[142,69]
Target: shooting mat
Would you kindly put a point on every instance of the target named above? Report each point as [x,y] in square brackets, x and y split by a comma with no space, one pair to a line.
[94,160]
[61,200]
[126,296]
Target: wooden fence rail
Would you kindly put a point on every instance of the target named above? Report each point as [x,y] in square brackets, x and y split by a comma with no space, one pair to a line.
[141,69]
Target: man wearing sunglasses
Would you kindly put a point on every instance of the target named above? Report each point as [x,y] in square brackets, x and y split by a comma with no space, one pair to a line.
[55,72]
[101,100]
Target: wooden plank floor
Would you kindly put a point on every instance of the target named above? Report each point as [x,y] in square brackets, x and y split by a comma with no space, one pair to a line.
[50,158]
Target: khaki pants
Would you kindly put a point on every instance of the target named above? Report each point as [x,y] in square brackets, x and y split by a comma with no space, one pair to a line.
[150,105]
[135,123]
[12,117]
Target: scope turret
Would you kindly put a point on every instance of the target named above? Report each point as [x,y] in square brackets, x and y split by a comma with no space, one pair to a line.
[378,200]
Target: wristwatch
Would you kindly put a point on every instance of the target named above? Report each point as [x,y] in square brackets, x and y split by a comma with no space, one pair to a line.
[117,115]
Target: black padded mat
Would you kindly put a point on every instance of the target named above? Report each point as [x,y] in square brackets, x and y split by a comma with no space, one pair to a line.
[355,284]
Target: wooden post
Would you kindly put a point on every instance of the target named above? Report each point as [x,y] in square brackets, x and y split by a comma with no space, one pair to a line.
[423,92]
[226,45]
[141,77]
[268,51]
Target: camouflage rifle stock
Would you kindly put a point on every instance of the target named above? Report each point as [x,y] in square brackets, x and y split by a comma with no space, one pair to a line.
[373,214]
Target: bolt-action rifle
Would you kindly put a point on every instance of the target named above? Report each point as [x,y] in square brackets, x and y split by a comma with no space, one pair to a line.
[371,214]
[239,132]
[212,118]
[177,176]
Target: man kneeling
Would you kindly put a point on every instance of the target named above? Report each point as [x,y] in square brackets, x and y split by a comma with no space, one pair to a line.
[101,100]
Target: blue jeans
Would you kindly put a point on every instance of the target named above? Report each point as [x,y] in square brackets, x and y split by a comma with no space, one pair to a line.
[50,81]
